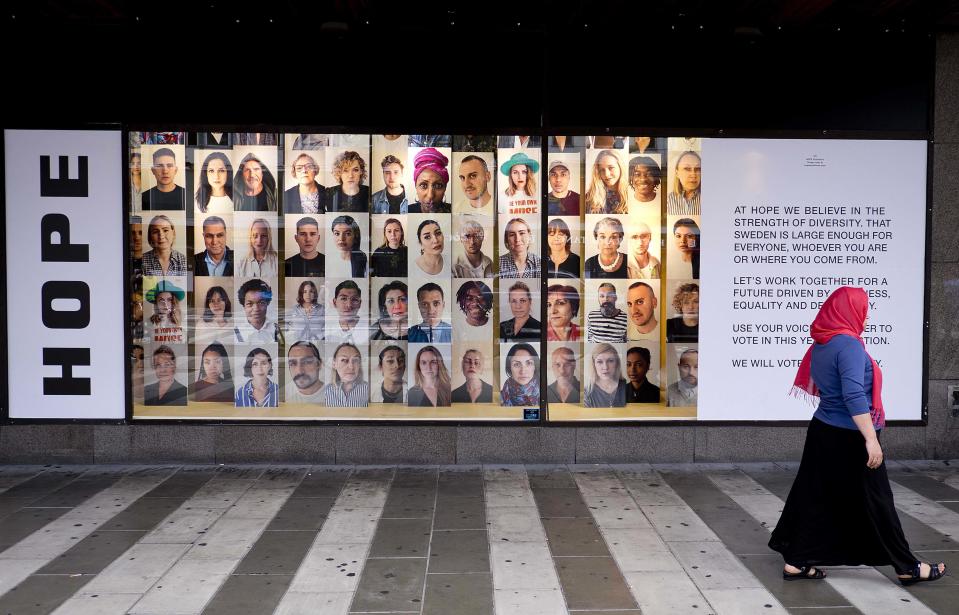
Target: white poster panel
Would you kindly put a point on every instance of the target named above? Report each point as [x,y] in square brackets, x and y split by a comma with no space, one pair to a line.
[784,223]
[65,325]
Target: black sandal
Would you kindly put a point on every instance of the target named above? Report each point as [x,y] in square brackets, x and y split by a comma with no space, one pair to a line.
[934,574]
[804,573]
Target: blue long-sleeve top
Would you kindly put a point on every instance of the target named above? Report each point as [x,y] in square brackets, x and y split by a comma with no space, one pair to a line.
[843,372]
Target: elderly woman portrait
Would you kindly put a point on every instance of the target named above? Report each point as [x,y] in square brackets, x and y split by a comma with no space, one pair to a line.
[347,254]
[393,323]
[307,195]
[522,326]
[430,178]
[607,388]
[642,265]
[608,191]
[261,258]
[163,259]
[562,263]
[215,191]
[349,388]
[683,199]
[522,377]
[685,326]
[350,194]
[474,390]
[562,306]
[519,262]
[306,319]
[609,262]
[432,244]
[166,391]
[259,391]
[214,381]
[476,302]
[389,260]
[254,186]
[432,388]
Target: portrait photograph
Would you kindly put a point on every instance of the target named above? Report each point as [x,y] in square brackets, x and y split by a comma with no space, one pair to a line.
[429,375]
[305,245]
[605,246]
[644,309]
[564,177]
[684,182]
[347,179]
[428,173]
[564,372]
[564,247]
[519,248]
[347,375]
[605,373]
[390,305]
[303,189]
[304,310]
[163,178]
[606,181]
[474,373]
[430,245]
[389,245]
[519,373]
[647,183]
[388,151]
[473,175]
[519,311]
[347,311]
[474,241]
[643,373]
[165,237]
[214,307]
[166,376]
[347,241]
[255,318]
[213,378]
[519,181]
[645,145]
[473,313]
[212,182]
[644,247]
[388,371]
[304,373]
[255,245]
[256,173]
[682,375]
[213,245]
[434,304]
[564,311]
[683,246]
[682,324]
[606,312]
[165,310]
[257,379]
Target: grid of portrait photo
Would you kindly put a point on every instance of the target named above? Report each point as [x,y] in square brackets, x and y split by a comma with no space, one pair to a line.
[324,276]
[622,260]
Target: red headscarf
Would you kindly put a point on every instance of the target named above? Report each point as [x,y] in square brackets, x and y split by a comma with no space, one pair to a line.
[843,313]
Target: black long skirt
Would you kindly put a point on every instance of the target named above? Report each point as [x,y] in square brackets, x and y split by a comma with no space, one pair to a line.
[839,512]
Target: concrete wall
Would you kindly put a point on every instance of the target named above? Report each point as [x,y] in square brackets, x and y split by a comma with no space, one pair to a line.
[628,443]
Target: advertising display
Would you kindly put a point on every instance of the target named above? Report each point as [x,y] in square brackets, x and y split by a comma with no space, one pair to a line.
[335,276]
[64,261]
[787,222]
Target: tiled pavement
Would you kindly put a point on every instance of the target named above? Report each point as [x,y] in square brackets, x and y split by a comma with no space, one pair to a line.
[452,540]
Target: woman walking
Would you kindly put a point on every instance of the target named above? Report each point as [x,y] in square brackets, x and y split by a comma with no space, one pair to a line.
[840,509]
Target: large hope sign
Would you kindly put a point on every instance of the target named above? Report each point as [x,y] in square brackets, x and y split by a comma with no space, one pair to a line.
[789,221]
[64,259]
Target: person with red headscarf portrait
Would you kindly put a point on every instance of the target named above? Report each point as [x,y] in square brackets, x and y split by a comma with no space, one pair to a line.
[430,178]
[840,509]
